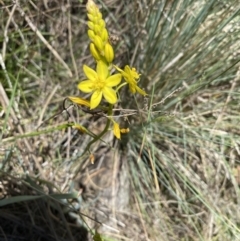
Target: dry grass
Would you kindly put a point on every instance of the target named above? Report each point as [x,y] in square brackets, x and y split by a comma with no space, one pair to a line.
[175,176]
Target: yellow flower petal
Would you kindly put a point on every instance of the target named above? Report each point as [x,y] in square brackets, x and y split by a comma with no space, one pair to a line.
[79,101]
[116,130]
[110,95]
[140,91]
[118,69]
[113,80]
[95,99]
[90,73]
[86,86]
[102,70]
[132,72]
[132,88]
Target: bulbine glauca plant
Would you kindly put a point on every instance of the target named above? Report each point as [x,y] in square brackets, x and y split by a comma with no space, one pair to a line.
[105,80]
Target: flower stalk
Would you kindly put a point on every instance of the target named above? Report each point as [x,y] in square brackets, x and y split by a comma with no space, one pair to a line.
[104,85]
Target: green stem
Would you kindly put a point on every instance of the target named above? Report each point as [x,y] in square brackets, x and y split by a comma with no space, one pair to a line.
[102,133]
[98,137]
[120,86]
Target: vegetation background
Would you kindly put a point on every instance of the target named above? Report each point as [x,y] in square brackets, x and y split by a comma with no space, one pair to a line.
[175,176]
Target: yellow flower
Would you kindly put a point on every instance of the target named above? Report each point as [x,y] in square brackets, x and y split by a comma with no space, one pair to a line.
[116,130]
[100,83]
[131,76]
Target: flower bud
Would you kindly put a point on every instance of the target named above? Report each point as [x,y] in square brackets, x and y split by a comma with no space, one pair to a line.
[99,15]
[94,52]
[108,52]
[91,17]
[91,34]
[116,130]
[124,130]
[98,43]
[91,7]
[90,25]
[104,35]
[101,23]
[97,29]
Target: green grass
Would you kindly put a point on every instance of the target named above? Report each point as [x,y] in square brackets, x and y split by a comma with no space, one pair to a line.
[175,176]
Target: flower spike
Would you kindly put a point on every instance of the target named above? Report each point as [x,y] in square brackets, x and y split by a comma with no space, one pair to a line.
[100,47]
[101,82]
